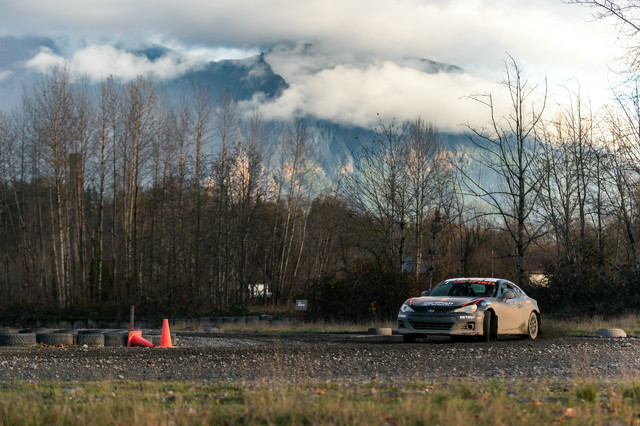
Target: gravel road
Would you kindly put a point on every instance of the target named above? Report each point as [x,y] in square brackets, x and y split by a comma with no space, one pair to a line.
[329,357]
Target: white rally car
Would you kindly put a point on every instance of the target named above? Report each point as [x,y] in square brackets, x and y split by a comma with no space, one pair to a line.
[467,307]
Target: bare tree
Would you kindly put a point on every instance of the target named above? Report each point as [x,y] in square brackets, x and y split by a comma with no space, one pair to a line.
[295,189]
[201,136]
[54,120]
[377,188]
[227,134]
[140,128]
[623,174]
[569,155]
[508,148]
[430,185]
[626,17]
[248,192]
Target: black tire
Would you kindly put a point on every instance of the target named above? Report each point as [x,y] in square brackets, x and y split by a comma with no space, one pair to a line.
[33,330]
[90,339]
[54,339]
[409,338]
[116,339]
[17,339]
[156,339]
[489,327]
[92,331]
[533,326]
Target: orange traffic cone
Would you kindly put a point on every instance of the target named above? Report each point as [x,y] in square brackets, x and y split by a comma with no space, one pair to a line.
[135,339]
[165,341]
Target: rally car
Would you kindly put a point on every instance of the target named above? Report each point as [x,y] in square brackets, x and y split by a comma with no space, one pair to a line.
[470,307]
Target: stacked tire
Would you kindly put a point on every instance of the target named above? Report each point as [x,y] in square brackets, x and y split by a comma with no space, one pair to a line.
[55,339]
[90,339]
[18,339]
[116,338]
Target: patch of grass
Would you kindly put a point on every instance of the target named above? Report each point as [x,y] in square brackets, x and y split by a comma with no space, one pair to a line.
[632,392]
[554,327]
[587,392]
[184,403]
[306,327]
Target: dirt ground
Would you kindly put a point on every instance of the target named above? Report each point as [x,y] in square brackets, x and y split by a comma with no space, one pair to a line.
[257,357]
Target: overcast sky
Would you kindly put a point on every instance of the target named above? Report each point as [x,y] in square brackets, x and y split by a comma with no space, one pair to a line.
[345,60]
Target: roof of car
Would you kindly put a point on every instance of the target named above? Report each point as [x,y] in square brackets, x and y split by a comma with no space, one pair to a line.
[476,279]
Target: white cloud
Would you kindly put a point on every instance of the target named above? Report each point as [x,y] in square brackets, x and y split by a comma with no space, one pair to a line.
[472,33]
[204,53]
[44,60]
[349,59]
[4,74]
[354,95]
[98,62]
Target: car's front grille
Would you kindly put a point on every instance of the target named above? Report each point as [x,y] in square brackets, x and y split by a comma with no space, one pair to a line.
[439,323]
[432,308]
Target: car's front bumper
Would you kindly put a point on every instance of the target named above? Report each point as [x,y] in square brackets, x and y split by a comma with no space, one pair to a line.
[445,323]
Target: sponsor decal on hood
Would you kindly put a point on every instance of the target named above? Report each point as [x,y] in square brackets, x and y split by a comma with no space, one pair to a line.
[452,302]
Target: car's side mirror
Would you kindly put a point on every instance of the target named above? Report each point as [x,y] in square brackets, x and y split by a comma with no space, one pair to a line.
[509,295]
[424,293]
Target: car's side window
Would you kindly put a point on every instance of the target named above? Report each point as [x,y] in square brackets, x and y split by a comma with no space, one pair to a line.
[512,288]
[507,287]
[503,289]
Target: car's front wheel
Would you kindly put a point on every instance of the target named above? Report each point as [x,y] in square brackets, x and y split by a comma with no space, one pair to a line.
[409,338]
[533,326]
[489,327]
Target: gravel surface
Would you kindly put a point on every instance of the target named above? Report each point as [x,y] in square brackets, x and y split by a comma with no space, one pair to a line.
[288,358]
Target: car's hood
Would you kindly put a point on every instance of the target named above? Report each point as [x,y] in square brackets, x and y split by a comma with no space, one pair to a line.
[447,303]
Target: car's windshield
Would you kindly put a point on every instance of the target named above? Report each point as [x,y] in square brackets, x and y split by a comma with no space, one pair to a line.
[464,289]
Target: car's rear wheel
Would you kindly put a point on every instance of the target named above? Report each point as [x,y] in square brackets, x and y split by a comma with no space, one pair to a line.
[533,326]
[409,338]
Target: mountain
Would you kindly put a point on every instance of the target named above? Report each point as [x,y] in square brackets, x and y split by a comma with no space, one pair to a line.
[333,144]
[242,77]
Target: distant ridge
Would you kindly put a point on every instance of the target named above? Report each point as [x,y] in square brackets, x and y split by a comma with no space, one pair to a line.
[333,144]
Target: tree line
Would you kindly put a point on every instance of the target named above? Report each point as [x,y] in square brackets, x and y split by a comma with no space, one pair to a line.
[121,197]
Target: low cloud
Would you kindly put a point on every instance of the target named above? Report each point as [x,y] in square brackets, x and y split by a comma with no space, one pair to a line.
[98,62]
[356,94]
[474,34]
[5,74]
[44,60]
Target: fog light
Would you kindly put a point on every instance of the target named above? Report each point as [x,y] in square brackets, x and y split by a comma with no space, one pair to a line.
[401,324]
[471,326]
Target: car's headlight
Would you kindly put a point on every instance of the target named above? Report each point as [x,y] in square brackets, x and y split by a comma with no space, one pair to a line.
[469,309]
[406,308]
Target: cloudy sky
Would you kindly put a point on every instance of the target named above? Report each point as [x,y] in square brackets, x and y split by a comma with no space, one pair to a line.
[345,60]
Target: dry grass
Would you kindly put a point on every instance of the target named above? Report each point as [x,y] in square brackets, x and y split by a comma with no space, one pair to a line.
[371,403]
[589,326]
[306,327]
